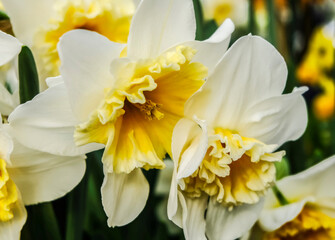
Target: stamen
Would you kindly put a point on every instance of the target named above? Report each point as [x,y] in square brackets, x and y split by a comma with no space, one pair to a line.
[150,109]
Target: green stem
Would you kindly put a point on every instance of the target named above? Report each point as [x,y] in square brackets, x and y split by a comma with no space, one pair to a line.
[252,22]
[280,196]
[272,22]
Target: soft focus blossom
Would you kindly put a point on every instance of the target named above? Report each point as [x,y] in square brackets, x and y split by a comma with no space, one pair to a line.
[310,211]
[40,23]
[27,176]
[316,67]
[224,150]
[219,10]
[127,104]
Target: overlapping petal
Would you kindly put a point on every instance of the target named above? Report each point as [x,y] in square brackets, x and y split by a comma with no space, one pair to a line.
[166,27]
[47,124]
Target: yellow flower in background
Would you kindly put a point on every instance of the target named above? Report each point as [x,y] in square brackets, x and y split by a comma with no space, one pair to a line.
[319,56]
[224,149]
[316,65]
[128,105]
[309,213]
[219,10]
[39,24]
[324,103]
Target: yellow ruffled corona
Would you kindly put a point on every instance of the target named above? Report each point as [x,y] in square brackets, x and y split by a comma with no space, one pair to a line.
[136,118]
[235,170]
[310,224]
[8,194]
[108,18]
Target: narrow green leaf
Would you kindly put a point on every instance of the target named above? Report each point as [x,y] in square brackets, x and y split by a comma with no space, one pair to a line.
[28,77]
[42,223]
[76,211]
[199,20]
[251,20]
[280,196]
[272,22]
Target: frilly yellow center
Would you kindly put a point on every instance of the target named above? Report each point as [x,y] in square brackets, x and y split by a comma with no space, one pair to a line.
[137,115]
[310,224]
[107,17]
[235,170]
[8,194]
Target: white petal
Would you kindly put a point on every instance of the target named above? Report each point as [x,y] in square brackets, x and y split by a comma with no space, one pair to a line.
[47,124]
[124,196]
[9,48]
[222,223]
[311,182]
[196,142]
[210,51]
[159,25]
[6,144]
[28,16]
[175,213]
[194,223]
[273,218]
[53,81]
[42,176]
[251,70]
[11,230]
[277,119]
[86,57]
[7,104]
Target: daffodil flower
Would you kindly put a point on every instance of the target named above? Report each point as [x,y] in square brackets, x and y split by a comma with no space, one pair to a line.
[219,10]
[40,23]
[310,209]
[223,150]
[9,94]
[126,98]
[27,176]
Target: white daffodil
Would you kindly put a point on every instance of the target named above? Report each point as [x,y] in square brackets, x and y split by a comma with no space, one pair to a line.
[309,211]
[10,47]
[129,104]
[219,10]
[223,149]
[40,23]
[27,176]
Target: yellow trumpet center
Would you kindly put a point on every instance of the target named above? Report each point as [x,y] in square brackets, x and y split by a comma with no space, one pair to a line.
[106,17]
[8,194]
[310,224]
[235,170]
[138,112]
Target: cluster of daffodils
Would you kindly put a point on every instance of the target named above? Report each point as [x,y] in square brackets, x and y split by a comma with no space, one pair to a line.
[131,79]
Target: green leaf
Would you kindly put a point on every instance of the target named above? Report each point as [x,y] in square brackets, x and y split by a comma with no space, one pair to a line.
[3,16]
[199,20]
[76,211]
[282,168]
[28,77]
[41,223]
